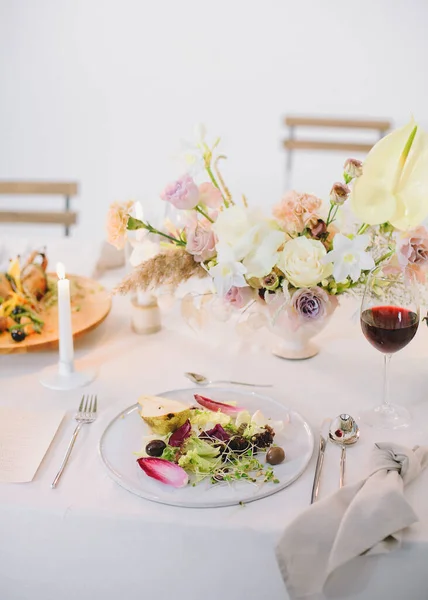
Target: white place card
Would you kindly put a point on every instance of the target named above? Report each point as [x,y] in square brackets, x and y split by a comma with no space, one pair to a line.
[25,437]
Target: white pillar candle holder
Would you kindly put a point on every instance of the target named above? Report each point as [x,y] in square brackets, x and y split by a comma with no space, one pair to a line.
[145,314]
[66,375]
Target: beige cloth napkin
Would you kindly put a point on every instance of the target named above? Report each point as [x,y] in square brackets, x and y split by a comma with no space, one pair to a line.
[364,518]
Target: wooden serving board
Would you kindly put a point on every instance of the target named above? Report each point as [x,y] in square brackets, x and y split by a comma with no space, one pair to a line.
[94,305]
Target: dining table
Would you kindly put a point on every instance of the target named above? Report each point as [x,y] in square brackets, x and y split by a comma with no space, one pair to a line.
[91,539]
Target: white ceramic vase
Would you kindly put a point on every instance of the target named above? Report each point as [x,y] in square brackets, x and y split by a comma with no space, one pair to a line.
[295,339]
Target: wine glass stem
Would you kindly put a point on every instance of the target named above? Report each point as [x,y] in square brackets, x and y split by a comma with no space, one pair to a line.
[387,360]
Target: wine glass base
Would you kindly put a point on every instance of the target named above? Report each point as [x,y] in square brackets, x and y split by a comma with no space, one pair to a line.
[387,416]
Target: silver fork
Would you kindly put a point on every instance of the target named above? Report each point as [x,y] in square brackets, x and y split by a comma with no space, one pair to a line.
[86,414]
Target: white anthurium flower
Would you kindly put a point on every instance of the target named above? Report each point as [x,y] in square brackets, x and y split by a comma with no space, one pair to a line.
[349,257]
[228,272]
[394,183]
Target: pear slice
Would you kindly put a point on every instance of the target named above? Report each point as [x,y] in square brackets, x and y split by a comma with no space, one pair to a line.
[162,414]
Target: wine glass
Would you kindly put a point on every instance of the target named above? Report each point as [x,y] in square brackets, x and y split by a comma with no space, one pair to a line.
[389,320]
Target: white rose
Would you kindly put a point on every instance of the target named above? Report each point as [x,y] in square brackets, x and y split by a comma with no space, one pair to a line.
[301,261]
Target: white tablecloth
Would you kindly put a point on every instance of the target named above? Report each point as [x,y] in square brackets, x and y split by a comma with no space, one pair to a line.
[90,539]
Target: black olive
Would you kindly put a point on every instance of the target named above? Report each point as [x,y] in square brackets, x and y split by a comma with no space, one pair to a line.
[18,335]
[155,448]
[18,310]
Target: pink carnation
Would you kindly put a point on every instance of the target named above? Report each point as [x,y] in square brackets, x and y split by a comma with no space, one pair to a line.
[117,220]
[297,211]
[183,193]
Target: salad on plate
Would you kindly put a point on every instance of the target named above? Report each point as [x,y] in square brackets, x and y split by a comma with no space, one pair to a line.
[210,440]
[27,294]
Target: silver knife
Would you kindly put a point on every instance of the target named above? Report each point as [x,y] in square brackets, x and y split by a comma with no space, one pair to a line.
[320,461]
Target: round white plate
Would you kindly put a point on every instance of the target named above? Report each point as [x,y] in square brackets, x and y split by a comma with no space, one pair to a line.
[124,437]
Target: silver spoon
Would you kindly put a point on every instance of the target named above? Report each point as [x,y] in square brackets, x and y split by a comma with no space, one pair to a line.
[344,431]
[202,380]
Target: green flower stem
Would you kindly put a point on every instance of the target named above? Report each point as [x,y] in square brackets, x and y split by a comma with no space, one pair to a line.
[329,220]
[363,228]
[211,176]
[135,224]
[332,214]
[384,257]
[335,212]
[203,213]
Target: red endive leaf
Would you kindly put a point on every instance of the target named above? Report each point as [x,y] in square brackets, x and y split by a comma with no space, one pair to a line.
[164,471]
[214,406]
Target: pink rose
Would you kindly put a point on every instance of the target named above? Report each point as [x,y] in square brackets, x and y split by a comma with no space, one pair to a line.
[239,297]
[183,193]
[412,251]
[210,195]
[297,211]
[117,220]
[201,242]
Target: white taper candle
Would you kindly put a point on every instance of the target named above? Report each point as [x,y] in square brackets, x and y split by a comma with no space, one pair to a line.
[143,298]
[66,350]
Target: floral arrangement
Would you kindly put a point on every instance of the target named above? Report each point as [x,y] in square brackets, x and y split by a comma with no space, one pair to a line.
[297,260]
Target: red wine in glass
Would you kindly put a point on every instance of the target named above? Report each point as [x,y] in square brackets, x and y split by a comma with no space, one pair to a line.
[389,321]
[389,328]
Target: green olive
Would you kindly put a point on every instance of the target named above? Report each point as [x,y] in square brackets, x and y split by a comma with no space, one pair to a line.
[275,455]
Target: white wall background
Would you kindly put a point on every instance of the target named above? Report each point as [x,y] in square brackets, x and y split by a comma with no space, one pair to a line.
[102,90]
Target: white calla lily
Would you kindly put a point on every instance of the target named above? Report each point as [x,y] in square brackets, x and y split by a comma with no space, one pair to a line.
[394,183]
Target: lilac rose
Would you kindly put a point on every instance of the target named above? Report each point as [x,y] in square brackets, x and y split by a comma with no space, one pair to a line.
[183,193]
[312,304]
[201,242]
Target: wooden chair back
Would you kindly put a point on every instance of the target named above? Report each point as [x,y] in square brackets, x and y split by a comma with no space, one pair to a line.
[67,190]
[378,126]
